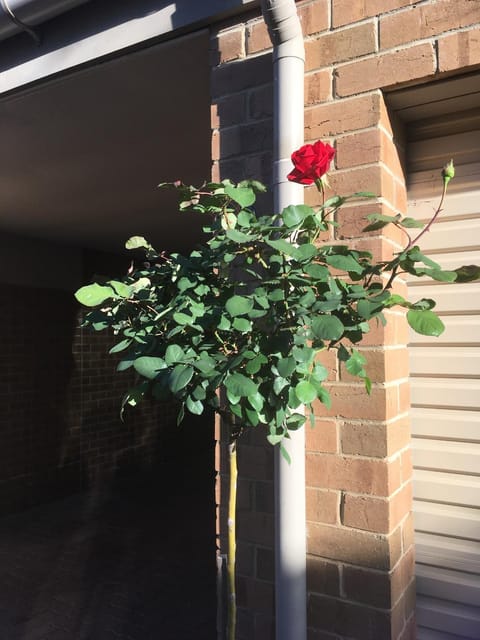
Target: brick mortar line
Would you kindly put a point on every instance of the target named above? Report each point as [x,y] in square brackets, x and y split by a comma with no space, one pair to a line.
[393,11]
[247,56]
[334,30]
[243,123]
[385,499]
[433,38]
[338,101]
[356,566]
[336,527]
[241,157]
[248,91]
[378,54]
[350,456]
[381,349]
[359,421]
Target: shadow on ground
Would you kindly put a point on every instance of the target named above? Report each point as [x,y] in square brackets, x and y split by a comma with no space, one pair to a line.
[133,563]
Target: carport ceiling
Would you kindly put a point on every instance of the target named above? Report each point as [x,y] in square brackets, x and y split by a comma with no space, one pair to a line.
[82,154]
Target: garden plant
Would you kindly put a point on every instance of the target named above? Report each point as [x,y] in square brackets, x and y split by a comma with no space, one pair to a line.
[239,324]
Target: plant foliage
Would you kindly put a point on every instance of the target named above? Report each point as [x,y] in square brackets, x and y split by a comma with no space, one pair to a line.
[241,322]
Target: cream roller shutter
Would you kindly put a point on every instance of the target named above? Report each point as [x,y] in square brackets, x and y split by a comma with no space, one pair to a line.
[445,383]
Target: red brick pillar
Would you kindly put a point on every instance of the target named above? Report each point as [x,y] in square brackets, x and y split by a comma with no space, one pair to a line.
[360,547]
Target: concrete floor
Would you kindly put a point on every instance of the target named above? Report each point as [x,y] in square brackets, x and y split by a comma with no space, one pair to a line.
[127,564]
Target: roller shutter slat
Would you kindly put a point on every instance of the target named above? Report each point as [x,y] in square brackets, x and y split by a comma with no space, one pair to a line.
[448,617]
[463,490]
[445,423]
[448,585]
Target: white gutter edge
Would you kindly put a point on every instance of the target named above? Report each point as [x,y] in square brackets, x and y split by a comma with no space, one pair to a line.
[290,529]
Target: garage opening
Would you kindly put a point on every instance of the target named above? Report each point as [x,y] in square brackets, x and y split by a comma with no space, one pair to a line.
[108,527]
[442,122]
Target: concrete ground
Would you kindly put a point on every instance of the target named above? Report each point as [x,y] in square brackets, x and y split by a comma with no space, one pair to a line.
[126,564]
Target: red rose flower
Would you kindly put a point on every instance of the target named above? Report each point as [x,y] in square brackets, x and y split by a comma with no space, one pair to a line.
[311,162]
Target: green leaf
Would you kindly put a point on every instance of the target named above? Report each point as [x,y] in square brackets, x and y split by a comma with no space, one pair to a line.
[355,364]
[441,276]
[425,322]
[244,196]
[242,324]
[224,324]
[317,272]
[94,294]
[378,221]
[305,252]
[194,406]
[306,392]
[303,354]
[253,184]
[319,373]
[238,236]
[257,401]
[173,354]
[295,214]
[140,284]
[416,255]
[368,308]
[252,416]
[233,400]
[255,364]
[149,366]
[468,273]
[344,263]
[240,385]
[137,242]
[180,376]
[327,327]
[120,288]
[228,220]
[239,305]
[423,304]
[286,366]
[279,384]
[411,223]
[308,298]
[363,194]
[244,218]
[368,385]
[185,283]
[125,364]
[324,397]
[121,346]
[283,246]
[295,421]
[285,454]
[182,318]
[275,439]
[395,299]
[334,201]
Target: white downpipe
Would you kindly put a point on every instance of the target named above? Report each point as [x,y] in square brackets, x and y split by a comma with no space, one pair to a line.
[290,532]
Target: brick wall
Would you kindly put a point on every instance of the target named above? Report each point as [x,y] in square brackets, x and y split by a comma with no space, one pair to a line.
[60,397]
[360,540]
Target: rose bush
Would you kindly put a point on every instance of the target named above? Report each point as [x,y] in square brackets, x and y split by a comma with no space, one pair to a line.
[249,312]
[241,322]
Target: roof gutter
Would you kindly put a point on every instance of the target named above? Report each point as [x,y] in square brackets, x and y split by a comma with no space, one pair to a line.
[17,16]
[290,530]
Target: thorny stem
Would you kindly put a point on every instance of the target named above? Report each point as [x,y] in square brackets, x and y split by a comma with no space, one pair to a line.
[413,241]
[434,217]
